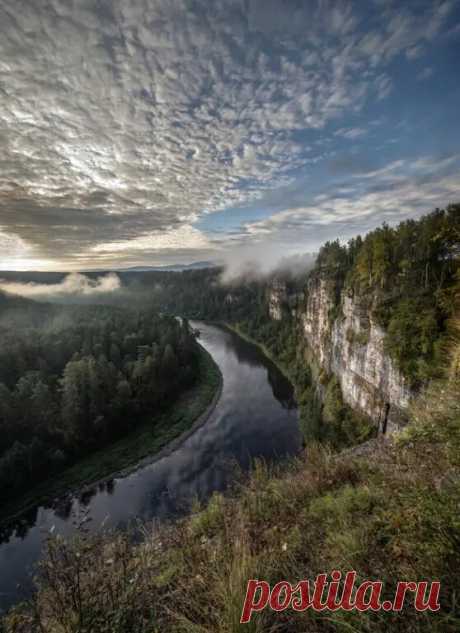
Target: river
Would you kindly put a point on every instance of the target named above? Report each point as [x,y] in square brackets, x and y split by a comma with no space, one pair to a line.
[256,416]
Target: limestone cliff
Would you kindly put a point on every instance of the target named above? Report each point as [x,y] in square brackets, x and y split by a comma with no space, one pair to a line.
[277,300]
[282,299]
[345,340]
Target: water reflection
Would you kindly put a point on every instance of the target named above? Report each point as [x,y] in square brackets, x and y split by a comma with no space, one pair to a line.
[251,355]
[256,417]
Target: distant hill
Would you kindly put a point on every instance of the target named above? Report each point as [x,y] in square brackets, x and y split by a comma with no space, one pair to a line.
[8,301]
[23,313]
[57,277]
[170,268]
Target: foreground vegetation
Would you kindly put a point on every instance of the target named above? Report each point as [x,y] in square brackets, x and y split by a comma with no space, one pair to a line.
[391,515]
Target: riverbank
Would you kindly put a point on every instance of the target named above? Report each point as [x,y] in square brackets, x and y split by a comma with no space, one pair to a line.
[323,415]
[242,334]
[309,423]
[145,444]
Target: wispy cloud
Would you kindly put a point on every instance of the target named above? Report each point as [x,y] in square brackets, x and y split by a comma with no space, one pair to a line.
[383,86]
[426,73]
[414,53]
[351,133]
[395,192]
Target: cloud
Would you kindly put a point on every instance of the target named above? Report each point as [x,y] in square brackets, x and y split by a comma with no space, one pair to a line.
[75,285]
[414,53]
[184,237]
[250,265]
[124,123]
[351,133]
[397,191]
[426,73]
[383,86]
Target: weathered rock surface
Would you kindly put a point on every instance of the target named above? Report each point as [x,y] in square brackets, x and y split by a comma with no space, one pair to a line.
[346,341]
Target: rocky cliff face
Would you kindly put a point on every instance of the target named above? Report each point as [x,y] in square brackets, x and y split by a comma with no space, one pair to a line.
[347,342]
[282,298]
[277,300]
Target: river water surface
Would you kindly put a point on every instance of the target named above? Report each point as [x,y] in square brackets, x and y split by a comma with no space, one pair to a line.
[256,416]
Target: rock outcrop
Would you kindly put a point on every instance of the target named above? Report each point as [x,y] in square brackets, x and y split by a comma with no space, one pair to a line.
[345,340]
[277,300]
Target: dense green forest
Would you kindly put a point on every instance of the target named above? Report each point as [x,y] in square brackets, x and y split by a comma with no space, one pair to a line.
[410,276]
[73,378]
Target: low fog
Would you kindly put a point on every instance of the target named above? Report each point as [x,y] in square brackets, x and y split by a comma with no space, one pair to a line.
[74,285]
[132,288]
[261,263]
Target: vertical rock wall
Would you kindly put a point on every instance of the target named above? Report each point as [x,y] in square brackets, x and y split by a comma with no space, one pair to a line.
[346,341]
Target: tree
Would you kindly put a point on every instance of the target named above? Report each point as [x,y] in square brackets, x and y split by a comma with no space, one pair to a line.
[74,403]
[169,363]
[382,254]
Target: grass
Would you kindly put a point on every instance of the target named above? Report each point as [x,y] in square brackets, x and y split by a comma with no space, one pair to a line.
[391,514]
[125,454]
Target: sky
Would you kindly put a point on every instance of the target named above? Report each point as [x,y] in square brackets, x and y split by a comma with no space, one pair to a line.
[153,132]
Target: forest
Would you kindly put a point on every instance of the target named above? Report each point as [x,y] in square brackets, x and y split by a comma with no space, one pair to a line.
[73,378]
[410,275]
